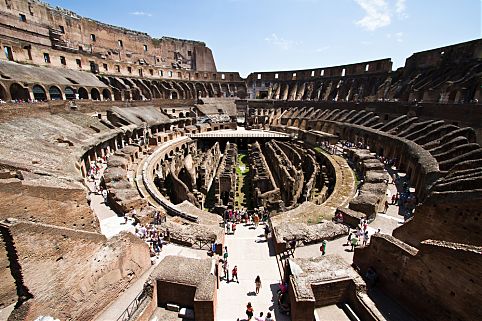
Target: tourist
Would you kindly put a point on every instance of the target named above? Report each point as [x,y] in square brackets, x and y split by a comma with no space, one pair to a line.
[226,270]
[393,199]
[256,220]
[386,206]
[365,238]
[104,195]
[268,317]
[348,240]
[249,310]
[168,236]
[358,233]
[234,273]
[354,243]
[257,282]
[266,231]
[260,318]
[233,228]
[225,255]
[323,247]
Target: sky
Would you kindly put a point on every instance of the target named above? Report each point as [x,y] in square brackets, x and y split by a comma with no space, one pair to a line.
[268,35]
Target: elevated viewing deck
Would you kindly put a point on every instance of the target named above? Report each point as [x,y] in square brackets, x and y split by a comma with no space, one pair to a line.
[240,132]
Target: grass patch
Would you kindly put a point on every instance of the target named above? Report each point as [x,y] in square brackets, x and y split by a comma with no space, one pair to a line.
[319,150]
[242,168]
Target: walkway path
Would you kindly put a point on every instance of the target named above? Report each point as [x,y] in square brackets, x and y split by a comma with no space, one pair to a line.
[250,252]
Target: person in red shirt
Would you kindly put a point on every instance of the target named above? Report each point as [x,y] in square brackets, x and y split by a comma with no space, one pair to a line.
[235,274]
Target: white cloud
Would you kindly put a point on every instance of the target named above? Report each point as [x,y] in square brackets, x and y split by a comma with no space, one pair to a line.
[400,7]
[140,13]
[321,49]
[280,42]
[378,13]
[398,37]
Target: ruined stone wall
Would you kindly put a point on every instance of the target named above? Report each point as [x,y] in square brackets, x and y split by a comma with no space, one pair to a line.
[452,216]
[61,206]
[179,191]
[8,290]
[67,32]
[75,274]
[311,169]
[206,167]
[133,65]
[286,174]
[226,176]
[266,192]
[123,196]
[442,75]
[444,274]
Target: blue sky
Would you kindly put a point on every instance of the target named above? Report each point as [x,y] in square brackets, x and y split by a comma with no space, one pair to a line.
[266,35]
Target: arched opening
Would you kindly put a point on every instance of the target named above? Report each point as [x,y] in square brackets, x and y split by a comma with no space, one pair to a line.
[155,92]
[83,94]
[181,115]
[95,94]
[117,94]
[127,95]
[3,93]
[452,96]
[19,93]
[173,95]
[136,95]
[69,93]
[106,94]
[55,93]
[39,93]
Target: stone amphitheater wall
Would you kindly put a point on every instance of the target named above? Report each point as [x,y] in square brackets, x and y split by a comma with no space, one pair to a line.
[71,273]
[442,273]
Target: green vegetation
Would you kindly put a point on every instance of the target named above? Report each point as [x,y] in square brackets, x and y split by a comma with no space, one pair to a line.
[319,150]
[243,192]
[242,167]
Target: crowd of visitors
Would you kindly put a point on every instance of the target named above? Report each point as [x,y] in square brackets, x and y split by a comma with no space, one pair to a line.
[234,217]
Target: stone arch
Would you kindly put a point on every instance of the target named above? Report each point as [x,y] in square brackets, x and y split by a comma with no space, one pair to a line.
[3,93]
[55,93]
[135,94]
[18,92]
[174,95]
[83,93]
[69,93]
[95,94]
[453,96]
[155,92]
[106,94]
[181,115]
[201,90]
[117,93]
[39,93]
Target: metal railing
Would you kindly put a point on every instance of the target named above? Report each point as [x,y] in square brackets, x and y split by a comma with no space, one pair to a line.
[135,304]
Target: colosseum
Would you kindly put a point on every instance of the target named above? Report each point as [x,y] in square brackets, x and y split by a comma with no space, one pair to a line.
[136,180]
